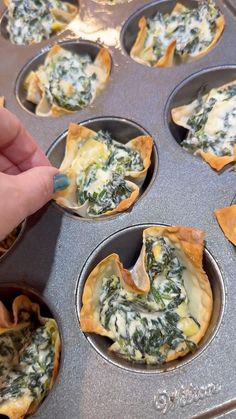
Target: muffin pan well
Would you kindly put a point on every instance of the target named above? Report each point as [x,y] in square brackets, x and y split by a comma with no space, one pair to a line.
[77,47]
[121,130]
[188,90]
[57,251]
[127,244]
[131,27]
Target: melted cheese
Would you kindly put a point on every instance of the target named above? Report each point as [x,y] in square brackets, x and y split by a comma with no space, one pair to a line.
[216,118]
[90,152]
[102,179]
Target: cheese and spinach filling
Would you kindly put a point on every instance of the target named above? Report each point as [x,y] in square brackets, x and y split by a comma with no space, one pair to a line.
[193,30]
[67,82]
[121,159]
[101,179]
[212,123]
[147,327]
[27,361]
[31,21]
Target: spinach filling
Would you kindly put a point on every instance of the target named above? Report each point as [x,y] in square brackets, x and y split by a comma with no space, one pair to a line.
[147,327]
[31,20]
[212,123]
[102,184]
[69,86]
[193,30]
[27,362]
[114,191]
[121,159]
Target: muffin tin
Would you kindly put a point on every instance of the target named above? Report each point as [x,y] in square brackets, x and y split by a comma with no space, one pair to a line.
[58,249]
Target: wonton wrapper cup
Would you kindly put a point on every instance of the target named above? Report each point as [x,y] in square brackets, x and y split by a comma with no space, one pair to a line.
[180,116]
[226,218]
[18,407]
[36,80]
[89,315]
[78,134]
[144,55]
[189,243]
[62,18]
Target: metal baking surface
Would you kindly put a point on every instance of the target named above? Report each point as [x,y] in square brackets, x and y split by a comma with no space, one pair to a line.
[58,249]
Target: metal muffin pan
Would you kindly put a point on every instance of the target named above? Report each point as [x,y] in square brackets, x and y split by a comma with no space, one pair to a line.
[52,255]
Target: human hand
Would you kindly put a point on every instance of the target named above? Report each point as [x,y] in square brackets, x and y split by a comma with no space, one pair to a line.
[27,180]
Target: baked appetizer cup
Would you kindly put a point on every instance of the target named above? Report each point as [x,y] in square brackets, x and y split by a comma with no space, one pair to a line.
[106,175]
[29,358]
[201,115]
[160,309]
[170,32]
[26,23]
[65,79]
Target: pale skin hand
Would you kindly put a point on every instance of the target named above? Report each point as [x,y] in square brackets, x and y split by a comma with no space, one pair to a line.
[26,176]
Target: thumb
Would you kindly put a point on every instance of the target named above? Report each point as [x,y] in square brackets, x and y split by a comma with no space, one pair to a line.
[23,194]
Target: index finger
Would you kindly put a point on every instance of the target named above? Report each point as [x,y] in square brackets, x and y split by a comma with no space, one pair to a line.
[17,145]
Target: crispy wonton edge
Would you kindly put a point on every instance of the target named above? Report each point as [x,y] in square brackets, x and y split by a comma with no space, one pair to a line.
[89,317]
[226,218]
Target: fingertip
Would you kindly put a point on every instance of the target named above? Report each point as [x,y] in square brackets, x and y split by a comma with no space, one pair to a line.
[36,188]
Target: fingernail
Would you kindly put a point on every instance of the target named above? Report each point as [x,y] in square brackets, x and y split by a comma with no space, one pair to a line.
[60,181]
